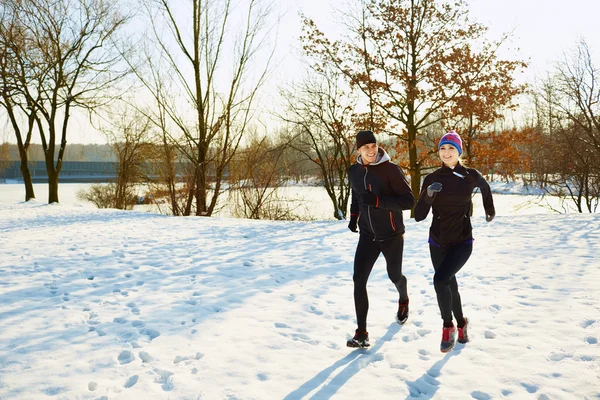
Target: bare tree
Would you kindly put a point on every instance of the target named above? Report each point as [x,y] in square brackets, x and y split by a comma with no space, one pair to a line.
[15,73]
[325,118]
[257,175]
[202,105]
[68,62]
[129,136]
[573,100]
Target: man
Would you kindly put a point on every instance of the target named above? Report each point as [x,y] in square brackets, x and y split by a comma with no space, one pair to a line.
[379,194]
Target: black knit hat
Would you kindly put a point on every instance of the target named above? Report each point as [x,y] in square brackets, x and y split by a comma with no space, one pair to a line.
[364,137]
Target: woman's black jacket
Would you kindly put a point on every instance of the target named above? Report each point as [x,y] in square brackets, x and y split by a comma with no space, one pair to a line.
[451,222]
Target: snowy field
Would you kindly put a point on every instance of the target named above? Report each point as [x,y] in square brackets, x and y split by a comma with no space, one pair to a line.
[107,304]
[311,203]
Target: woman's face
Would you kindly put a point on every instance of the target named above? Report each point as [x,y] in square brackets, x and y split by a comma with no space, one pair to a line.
[449,155]
[368,153]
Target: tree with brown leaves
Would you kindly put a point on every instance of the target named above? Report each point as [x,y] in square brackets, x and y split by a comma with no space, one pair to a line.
[418,61]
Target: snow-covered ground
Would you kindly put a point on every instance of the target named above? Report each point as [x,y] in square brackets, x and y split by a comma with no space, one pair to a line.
[107,304]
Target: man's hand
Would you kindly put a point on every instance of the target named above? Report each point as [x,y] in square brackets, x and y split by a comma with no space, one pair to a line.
[368,198]
[490,217]
[434,188]
[353,222]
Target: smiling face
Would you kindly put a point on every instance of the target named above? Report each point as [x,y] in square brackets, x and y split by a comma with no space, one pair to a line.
[368,153]
[449,155]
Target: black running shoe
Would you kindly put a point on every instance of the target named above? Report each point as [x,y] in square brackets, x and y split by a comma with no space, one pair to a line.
[360,339]
[402,314]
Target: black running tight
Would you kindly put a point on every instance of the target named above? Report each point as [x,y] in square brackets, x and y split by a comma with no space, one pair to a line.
[367,253]
[447,261]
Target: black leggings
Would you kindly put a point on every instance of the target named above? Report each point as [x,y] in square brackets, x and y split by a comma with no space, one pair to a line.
[447,261]
[367,253]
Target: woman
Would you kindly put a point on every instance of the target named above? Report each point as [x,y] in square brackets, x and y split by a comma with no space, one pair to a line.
[379,194]
[447,191]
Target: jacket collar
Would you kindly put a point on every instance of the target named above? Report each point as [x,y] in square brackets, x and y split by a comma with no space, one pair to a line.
[459,170]
[382,156]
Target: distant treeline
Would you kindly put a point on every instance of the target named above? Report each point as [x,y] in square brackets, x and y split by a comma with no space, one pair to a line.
[73,152]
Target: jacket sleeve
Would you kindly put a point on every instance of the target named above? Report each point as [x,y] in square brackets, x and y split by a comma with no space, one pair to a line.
[486,193]
[424,203]
[403,198]
[354,206]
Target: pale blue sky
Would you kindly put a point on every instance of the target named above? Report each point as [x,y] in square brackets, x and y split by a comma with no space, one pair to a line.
[543,31]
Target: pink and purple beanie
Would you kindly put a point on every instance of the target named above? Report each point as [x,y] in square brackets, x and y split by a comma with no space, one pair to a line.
[453,139]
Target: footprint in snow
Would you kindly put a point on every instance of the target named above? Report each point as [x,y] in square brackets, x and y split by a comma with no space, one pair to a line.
[424,386]
[529,387]
[145,357]
[53,288]
[92,386]
[494,308]
[591,340]
[423,332]
[132,380]
[125,357]
[262,377]
[587,323]
[480,395]
[179,359]
[151,333]
[313,310]
[559,356]
[133,308]
[120,320]
[165,378]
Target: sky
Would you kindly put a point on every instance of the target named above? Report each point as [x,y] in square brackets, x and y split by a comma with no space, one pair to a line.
[543,31]
[108,304]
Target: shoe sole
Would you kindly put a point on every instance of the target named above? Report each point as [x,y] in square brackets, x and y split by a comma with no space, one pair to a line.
[447,350]
[357,345]
[401,321]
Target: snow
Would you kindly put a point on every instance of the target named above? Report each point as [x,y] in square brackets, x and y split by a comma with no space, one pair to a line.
[108,304]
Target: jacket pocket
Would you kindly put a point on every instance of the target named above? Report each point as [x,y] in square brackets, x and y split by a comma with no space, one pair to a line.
[392,221]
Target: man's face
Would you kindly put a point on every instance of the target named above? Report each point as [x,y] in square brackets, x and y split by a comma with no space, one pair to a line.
[368,153]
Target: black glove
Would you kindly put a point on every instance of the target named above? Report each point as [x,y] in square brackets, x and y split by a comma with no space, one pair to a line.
[368,198]
[352,223]
[433,189]
[490,217]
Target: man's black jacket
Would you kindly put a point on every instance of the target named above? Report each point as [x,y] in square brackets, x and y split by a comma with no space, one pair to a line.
[385,180]
[451,222]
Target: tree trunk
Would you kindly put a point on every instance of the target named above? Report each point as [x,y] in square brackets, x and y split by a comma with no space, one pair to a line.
[52,186]
[415,167]
[29,193]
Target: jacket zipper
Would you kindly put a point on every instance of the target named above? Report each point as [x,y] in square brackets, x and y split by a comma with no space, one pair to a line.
[369,207]
[392,221]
